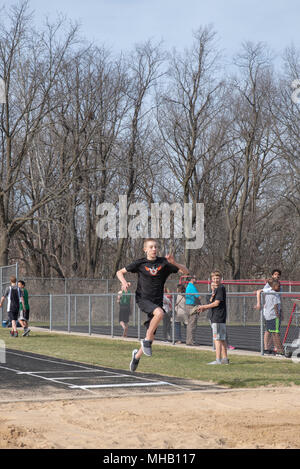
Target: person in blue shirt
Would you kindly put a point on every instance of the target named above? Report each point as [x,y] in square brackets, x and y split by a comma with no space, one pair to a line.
[191,299]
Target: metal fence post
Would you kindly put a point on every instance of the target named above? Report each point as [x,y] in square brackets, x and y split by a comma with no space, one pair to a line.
[107,306]
[244,311]
[90,316]
[261,324]
[134,311]
[50,312]
[69,313]
[1,294]
[112,314]
[139,323]
[173,318]
[75,310]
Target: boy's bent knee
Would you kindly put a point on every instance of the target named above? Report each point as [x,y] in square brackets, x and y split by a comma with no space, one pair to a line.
[158,313]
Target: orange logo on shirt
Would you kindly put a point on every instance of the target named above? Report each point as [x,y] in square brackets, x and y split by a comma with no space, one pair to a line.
[153,270]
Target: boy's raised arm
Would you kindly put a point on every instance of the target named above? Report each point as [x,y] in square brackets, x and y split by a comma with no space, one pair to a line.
[182,268]
[258,304]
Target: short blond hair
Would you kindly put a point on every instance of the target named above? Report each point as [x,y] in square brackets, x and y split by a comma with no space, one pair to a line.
[216,273]
[148,240]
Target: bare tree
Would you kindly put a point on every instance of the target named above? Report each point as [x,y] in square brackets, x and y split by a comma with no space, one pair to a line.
[251,150]
[187,113]
[144,71]
[29,65]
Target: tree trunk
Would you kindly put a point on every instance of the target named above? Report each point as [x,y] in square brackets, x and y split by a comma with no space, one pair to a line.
[4,245]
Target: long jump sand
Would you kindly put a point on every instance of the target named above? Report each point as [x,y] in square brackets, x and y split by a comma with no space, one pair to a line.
[257,418]
[238,419]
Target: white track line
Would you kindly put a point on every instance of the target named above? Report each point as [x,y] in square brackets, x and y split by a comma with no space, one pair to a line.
[120,385]
[75,365]
[35,375]
[87,369]
[63,371]
[92,386]
[54,361]
[77,377]
[84,368]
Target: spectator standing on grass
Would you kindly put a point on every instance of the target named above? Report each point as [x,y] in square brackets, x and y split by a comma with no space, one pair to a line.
[276,275]
[124,301]
[271,313]
[152,272]
[217,316]
[14,295]
[167,306]
[209,297]
[24,313]
[192,298]
[180,313]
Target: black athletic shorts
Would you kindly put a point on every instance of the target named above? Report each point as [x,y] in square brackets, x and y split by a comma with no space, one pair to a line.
[147,307]
[13,315]
[24,315]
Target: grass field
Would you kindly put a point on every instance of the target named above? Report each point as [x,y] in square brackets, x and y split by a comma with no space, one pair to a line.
[243,371]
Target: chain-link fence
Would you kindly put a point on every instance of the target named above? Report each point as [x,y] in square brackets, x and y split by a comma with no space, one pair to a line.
[90,306]
[99,314]
[63,286]
[290,334]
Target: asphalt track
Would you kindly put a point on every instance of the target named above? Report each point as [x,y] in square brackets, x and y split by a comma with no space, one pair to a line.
[27,376]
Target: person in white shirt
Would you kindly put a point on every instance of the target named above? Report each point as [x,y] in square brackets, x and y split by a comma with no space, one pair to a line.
[276,274]
[14,296]
[271,313]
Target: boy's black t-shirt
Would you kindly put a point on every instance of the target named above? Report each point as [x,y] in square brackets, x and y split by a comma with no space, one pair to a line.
[13,293]
[152,276]
[218,314]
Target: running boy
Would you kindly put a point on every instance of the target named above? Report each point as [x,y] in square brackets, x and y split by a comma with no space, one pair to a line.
[153,272]
[14,296]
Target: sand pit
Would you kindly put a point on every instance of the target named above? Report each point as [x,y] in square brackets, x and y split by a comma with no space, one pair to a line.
[258,418]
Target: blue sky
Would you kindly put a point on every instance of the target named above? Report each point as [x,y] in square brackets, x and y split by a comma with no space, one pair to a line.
[119,24]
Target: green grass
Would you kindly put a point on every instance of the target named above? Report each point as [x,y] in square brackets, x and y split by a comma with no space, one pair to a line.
[243,371]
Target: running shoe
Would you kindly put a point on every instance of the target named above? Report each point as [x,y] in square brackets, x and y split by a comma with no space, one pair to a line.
[147,347]
[134,361]
[225,361]
[13,333]
[216,362]
[26,332]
